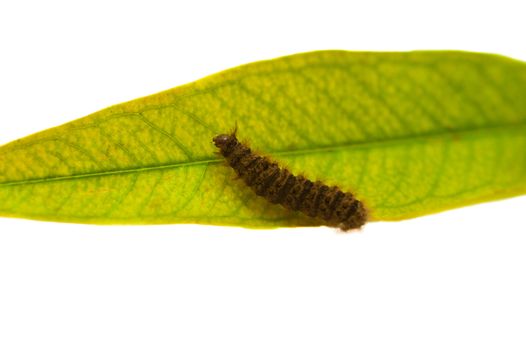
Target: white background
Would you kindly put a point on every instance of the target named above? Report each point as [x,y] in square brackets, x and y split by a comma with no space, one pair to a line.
[455,280]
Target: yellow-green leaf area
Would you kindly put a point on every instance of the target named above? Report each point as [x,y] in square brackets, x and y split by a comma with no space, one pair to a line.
[409,133]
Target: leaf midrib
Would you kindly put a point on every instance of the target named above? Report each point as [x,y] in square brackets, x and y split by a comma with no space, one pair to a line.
[332,148]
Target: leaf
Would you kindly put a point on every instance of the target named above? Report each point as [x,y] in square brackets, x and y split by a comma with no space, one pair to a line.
[409,133]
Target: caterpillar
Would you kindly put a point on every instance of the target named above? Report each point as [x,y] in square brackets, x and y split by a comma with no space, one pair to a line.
[279,186]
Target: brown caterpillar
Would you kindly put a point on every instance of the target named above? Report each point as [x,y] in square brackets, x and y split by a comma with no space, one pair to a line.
[279,186]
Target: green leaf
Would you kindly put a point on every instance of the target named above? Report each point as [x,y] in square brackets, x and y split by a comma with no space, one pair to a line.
[408,133]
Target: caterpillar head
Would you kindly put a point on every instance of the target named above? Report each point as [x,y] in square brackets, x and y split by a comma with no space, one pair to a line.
[221,141]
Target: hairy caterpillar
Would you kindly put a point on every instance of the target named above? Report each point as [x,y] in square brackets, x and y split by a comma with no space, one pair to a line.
[279,186]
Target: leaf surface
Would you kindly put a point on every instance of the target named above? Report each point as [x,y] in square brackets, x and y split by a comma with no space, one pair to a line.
[409,133]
